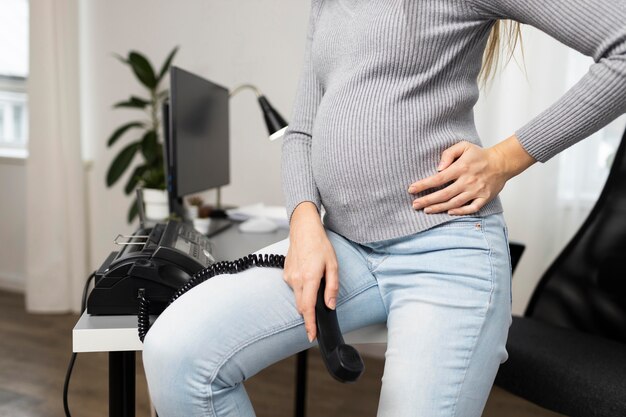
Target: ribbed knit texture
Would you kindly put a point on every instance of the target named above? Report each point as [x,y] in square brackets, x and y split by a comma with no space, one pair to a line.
[388,85]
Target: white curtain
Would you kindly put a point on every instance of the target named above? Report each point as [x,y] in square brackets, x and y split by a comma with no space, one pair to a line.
[55,204]
[545,205]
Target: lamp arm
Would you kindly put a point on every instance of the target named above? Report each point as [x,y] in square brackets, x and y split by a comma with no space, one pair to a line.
[245,87]
[276,125]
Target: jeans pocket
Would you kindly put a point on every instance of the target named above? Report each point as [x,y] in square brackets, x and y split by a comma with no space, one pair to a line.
[466,222]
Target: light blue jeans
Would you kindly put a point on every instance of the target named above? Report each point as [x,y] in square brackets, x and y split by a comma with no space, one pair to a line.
[445,294]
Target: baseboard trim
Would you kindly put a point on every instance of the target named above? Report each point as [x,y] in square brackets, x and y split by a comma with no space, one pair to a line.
[12,283]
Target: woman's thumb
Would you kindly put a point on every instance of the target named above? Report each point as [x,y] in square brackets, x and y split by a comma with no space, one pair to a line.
[449,155]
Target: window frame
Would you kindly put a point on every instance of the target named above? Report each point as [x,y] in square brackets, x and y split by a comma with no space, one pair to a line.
[16,86]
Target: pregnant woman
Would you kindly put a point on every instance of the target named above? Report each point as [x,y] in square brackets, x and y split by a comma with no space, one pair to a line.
[413,235]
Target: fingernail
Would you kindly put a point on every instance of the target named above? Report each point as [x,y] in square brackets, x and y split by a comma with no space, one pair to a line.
[427,210]
[416,205]
[411,189]
[310,337]
[331,302]
[440,167]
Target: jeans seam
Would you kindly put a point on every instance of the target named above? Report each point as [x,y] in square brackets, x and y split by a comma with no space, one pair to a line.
[234,351]
[508,251]
[354,294]
[491,272]
[363,289]
[379,263]
[460,223]
[482,324]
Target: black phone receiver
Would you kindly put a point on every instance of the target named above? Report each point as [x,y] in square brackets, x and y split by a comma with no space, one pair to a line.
[342,361]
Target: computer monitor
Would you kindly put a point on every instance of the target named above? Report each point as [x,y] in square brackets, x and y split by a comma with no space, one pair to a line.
[196,137]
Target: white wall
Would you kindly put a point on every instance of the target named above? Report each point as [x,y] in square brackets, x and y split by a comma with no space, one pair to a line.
[229,42]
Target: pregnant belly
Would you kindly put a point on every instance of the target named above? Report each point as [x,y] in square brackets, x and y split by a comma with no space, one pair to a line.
[360,161]
[369,152]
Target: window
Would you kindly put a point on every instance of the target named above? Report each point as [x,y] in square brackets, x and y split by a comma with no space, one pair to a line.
[584,168]
[13,76]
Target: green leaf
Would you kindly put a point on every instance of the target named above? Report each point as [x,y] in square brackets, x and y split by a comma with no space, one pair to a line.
[134,179]
[132,211]
[121,162]
[142,69]
[121,130]
[154,177]
[149,146]
[134,102]
[166,64]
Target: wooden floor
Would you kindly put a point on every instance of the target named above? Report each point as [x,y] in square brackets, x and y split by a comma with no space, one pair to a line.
[35,349]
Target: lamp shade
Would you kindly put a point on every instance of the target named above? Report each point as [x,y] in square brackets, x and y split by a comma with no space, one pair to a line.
[276,125]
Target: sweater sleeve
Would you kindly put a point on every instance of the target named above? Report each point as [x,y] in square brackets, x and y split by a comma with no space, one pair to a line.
[296,172]
[595,28]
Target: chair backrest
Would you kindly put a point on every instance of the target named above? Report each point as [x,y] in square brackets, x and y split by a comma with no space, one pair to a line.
[516,250]
[585,287]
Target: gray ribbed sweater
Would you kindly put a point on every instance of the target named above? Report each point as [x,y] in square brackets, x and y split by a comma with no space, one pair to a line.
[387,85]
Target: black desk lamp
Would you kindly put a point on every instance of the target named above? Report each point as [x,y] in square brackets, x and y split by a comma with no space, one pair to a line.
[275,123]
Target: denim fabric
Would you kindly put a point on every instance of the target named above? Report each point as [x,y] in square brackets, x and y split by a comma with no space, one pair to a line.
[445,294]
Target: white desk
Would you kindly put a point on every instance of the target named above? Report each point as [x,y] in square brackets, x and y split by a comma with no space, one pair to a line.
[118,334]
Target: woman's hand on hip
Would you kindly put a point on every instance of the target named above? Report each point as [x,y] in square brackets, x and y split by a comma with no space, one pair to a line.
[310,257]
[475,175]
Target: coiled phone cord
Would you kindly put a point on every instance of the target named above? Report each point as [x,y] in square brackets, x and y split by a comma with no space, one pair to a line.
[222,267]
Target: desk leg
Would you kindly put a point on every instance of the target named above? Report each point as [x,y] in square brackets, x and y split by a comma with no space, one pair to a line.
[301,369]
[122,384]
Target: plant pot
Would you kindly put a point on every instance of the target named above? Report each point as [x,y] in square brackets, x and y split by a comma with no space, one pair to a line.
[202,225]
[192,212]
[155,202]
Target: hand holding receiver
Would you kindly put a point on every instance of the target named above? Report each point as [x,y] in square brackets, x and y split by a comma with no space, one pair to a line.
[342,361]
[310,257]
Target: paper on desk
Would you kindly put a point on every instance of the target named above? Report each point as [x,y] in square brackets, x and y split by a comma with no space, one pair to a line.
[278,214]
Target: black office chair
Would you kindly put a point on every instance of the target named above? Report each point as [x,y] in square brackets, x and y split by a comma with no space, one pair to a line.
[568,352]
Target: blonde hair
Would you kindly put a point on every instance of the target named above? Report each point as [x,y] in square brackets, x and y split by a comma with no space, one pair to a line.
[507,31]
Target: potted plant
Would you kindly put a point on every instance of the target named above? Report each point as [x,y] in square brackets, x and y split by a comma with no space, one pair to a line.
[149,172]
[193,210]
